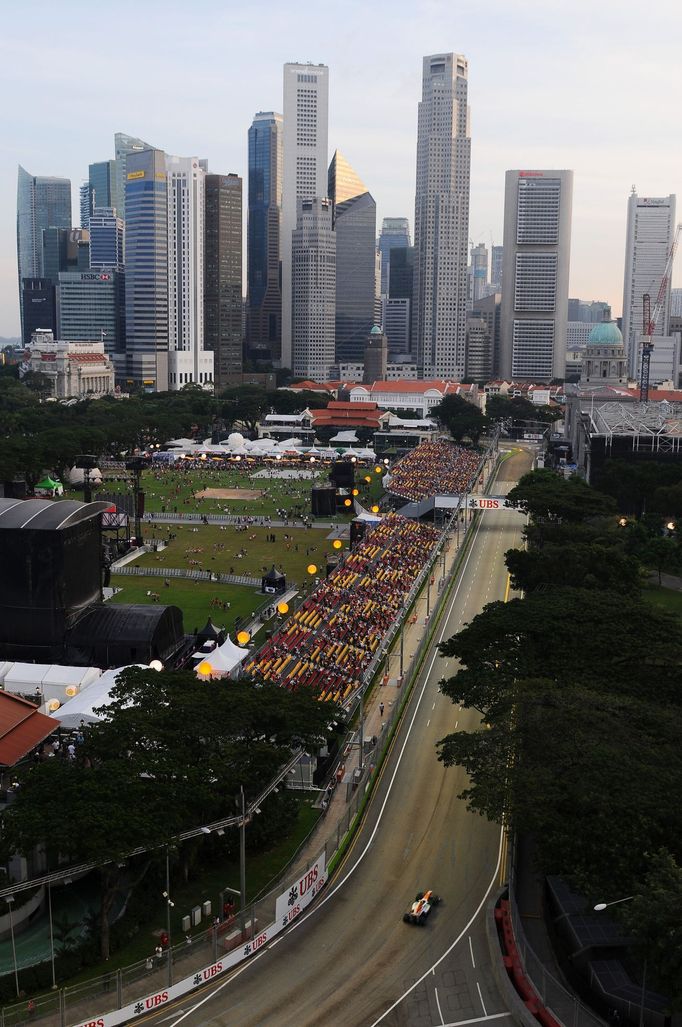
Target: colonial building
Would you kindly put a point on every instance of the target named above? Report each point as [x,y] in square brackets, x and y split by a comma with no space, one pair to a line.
[74,370]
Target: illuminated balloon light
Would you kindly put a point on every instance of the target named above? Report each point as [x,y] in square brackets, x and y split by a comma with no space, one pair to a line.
[346,502]
[53,705]
[337,543]
[243,637]
[282,608]
[205,669]
[71,691]
[368,479]
[312,569]
[378,469]
[375,509]
[355,492]
[156,665]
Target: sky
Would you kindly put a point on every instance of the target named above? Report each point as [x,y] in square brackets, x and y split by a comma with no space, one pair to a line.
[590,85]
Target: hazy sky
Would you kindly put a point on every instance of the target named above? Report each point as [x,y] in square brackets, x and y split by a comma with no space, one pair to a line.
[592,85]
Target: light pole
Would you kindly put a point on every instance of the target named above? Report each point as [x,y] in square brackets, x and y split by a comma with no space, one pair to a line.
[169,906]
[49,910]
[242,865]
[604,905]
[9,899]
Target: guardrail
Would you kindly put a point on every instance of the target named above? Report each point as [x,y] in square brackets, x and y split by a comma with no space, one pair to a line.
[179,572]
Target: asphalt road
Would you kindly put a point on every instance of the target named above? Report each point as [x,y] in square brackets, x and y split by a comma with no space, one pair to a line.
[351,961]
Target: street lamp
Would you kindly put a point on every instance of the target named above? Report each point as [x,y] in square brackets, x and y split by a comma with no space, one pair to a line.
[169,905]
[9,899]
[598,909]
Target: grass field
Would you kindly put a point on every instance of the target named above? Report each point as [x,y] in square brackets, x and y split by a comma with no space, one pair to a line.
[667,598]
[174,491]
[193,598]
[217,549]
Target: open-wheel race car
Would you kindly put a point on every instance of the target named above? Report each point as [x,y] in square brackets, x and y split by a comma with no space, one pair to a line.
[421,907]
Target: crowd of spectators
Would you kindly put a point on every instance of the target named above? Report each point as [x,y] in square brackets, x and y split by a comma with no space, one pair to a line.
[437,468]
[331,639]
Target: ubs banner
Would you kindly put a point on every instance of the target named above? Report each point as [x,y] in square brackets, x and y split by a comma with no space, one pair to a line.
[289,905]
[301,893]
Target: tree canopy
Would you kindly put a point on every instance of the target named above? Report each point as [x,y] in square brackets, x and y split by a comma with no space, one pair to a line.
[547,496]
[516,408]
[462,419]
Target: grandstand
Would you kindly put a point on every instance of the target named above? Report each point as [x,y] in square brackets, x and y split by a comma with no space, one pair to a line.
[433,475]
[331,639]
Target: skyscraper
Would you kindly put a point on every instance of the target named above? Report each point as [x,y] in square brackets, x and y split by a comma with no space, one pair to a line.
[479,272]
[304,175]
[354,219]
[441,218]
[123,146]
[89,309]
[649,238]
[264,325]
[106,239]
[188,361]
[314,290]
[394,232]
[41,203]
[65,249]
[496,259]
[537,250]
[223,334]
[146,262]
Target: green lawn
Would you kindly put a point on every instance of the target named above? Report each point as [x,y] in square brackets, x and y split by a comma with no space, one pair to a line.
[193,598]
[667,598]
[293,550]
[174,491]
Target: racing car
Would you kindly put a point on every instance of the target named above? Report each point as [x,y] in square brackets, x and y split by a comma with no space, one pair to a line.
[421,907]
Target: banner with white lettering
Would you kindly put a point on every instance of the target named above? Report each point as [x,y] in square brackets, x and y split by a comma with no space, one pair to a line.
[301,893]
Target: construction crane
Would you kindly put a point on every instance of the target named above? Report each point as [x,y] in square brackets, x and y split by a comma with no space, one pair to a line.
[650,319]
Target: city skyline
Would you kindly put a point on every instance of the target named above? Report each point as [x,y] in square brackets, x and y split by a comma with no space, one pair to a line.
[582,107]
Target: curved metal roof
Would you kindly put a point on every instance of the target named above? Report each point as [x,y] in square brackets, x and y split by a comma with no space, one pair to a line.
[46,514]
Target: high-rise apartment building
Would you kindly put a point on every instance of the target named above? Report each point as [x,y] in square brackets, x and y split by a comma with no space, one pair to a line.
[146,263]
[537,249]
[394,232]
[649,238]
[354,218]
[41,203]
[106,239]
[264,321]
[479,272]
[188,361]
[441,219]
[223,334]
[314,290]
[304,167]
[124,145]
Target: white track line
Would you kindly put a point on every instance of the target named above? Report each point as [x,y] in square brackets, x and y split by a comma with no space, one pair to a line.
[318,906]
[471,950]
[485,1011]
[440,1011]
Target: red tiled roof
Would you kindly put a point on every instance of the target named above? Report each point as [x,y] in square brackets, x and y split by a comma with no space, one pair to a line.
[21,728]
[337,404]
[87,358]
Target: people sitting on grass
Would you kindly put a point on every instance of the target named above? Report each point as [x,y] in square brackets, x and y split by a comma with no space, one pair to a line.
[437,468]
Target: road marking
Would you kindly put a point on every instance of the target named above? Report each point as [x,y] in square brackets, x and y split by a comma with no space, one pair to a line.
[471,950]
[456,724]
[478,1019]
[428,722]
[330,895]
[485,1011]
[452,946]
[440,1011]
[433,707]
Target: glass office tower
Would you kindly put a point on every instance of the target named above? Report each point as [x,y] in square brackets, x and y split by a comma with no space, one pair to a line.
[264,319]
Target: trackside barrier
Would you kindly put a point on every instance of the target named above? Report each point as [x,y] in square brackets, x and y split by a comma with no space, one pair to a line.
[127,994]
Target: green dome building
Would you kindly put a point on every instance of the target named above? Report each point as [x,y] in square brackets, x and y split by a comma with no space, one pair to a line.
[604,356]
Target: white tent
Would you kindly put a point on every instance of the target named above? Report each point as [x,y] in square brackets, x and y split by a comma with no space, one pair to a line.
[26,678]
[348,438]
[82,706]
[51,681]
[364,515]
[223,661]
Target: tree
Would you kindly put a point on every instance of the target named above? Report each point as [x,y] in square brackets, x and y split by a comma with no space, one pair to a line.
[547,496]
[462,419]
[243,406]
[592,776]
[654,917]
[603,640]
[170,754]
[576,565]
[662,554]
[516,408]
